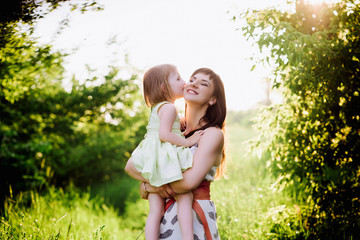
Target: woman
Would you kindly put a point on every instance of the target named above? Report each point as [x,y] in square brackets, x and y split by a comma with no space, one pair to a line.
[205,109]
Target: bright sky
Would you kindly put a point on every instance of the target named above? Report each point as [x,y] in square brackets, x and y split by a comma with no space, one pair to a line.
[187,33]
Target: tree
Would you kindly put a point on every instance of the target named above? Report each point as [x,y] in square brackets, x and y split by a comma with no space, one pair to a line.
[46,133]
[49,135]
[26,12]
[314,135]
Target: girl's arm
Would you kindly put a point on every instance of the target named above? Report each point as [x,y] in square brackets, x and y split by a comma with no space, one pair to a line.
[167,114]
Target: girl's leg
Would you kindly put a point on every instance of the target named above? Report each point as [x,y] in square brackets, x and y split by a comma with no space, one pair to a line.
[152,227]
[185,217]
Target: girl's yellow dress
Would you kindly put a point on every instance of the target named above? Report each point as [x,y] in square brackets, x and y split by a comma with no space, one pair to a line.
[161,162]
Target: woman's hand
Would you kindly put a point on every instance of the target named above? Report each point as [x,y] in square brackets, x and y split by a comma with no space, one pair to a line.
[143,191]
[164,191]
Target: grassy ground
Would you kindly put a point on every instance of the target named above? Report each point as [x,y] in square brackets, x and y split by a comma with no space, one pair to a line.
[247,207]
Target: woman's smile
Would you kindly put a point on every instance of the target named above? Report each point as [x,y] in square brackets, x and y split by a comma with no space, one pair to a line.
[191,91]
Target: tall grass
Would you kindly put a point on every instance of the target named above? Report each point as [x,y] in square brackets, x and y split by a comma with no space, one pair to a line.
[68,214]
[247,206]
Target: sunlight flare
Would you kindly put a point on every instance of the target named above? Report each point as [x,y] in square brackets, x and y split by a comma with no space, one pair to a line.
[319,2]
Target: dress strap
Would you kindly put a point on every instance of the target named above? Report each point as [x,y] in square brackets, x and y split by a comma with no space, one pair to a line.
[202,192]
[200,212]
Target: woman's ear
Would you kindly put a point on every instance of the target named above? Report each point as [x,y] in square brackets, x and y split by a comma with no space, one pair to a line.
[212,101]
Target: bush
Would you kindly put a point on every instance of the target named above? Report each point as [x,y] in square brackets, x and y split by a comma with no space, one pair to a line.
[314,135]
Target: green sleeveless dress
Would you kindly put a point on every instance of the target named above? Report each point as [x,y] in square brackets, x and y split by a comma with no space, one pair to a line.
[161,162]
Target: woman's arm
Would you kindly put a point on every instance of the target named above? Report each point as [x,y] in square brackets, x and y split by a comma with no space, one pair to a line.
[206,155]
[164,191]
[132,172]
[167,114]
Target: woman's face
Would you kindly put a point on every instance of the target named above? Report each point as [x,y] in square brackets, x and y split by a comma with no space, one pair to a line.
[199,89]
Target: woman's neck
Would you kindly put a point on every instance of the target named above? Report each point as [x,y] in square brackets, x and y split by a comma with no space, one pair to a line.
[193,116]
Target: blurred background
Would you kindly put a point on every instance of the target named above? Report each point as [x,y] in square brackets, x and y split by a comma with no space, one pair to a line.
[188,34]
[72,112]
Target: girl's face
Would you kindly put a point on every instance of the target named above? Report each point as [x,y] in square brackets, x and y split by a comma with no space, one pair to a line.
[176,84]
[199,89]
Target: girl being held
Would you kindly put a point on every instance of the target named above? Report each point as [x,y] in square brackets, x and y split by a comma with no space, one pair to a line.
[163,154]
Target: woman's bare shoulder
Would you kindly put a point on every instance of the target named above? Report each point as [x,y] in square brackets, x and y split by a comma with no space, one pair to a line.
[214,131]
[213,136]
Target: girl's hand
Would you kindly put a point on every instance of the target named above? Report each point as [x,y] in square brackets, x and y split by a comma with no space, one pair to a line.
[194,139]
[164,191]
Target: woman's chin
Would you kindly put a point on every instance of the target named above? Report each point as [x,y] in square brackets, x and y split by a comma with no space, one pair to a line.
[191,97]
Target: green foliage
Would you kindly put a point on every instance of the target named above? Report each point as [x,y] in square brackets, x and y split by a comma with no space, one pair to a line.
[117,191]
[314,136]
[25,72]
[83,136]
[24,13]
[246,203]
[247,206]
[27,10]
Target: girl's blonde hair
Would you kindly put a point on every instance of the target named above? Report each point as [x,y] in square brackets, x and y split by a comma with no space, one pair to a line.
[155,84]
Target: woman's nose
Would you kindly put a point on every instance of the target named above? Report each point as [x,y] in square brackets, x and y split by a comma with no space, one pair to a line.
[194,83]
[188,84]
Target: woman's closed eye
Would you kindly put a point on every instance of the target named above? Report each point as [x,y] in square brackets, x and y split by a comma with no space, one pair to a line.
[205,83]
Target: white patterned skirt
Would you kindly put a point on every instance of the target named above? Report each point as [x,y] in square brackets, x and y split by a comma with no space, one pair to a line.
[170,228]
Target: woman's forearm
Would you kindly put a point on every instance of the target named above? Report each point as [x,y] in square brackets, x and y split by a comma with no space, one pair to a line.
[181,186]
[164,191]
[132,172]
[206,155]
[184,185]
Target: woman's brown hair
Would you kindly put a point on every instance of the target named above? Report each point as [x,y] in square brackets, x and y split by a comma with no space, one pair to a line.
[215,114]
[155,84]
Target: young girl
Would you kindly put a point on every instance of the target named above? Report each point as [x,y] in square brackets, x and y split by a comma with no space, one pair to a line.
[163,154]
